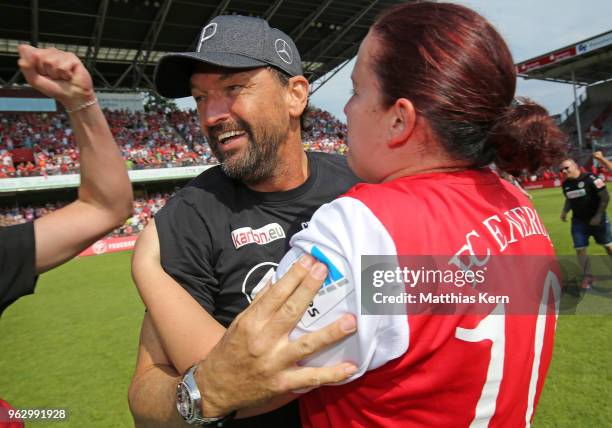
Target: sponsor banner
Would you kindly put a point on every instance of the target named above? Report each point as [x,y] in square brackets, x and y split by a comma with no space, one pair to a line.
[39,183]
[110,245]
[28,104]
[167,173]
[541,184]
[73,180]
[121,101]
[594,44]
[546,184]
[551,58]
[571,51]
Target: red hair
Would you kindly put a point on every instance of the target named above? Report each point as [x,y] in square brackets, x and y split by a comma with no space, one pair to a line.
[459,74]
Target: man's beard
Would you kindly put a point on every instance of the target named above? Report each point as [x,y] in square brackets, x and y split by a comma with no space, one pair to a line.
[258,162]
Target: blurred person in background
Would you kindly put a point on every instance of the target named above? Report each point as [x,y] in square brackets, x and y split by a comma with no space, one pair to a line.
[105,192]
[599,156]
[587,198]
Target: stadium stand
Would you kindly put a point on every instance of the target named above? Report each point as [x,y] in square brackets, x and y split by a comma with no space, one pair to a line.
[584,64]
[144,210]
[38,156]
[34,144]
[595,113]
[324,133]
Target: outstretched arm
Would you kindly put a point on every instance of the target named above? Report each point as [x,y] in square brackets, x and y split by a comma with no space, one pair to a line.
[105,193]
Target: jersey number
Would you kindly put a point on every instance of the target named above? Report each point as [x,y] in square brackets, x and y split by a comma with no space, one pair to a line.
[492,328]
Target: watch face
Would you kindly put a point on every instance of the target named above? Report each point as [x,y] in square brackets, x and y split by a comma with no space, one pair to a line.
[183,401]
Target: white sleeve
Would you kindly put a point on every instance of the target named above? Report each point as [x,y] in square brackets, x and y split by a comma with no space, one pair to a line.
[338,234]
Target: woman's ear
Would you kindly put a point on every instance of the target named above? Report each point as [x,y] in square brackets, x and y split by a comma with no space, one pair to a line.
[297,91]
[402,121]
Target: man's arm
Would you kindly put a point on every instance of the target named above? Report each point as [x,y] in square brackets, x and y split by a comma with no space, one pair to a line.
[602,159]
[176,333]
[181,319]
[177,317]
[167,345]
[105,193]
[566,209]
[152,392]
[604,199]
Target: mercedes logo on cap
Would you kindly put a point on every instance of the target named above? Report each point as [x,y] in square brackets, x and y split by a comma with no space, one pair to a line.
[283,50]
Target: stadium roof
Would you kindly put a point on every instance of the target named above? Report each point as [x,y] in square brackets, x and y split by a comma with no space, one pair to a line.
[121,40]
[585,63]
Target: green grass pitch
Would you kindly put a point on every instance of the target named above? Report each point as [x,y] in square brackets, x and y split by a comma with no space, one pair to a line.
[73,345]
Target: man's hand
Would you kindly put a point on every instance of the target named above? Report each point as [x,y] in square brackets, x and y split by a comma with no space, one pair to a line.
[595,220]
[563,216]
[255,361]
[598,155]
[57,74]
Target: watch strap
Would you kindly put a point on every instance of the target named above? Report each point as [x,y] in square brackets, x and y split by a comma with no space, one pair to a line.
[194,392]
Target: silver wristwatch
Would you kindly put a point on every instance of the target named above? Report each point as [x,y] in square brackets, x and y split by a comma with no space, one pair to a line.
[189,403]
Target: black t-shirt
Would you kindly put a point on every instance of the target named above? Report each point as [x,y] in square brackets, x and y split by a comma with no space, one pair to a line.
[219,240]
[17,263]
[582,194]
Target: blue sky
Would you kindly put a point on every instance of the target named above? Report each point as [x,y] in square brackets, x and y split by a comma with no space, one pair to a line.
[530,27]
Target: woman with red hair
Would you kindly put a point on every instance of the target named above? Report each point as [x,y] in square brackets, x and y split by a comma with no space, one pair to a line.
[433,106]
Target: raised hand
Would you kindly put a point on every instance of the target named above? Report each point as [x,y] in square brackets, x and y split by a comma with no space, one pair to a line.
[57,74]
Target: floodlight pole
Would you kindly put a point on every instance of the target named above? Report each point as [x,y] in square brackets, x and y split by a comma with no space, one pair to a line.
[577,111]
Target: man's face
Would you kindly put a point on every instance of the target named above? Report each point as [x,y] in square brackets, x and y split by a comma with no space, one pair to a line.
[244,116]
[569,169]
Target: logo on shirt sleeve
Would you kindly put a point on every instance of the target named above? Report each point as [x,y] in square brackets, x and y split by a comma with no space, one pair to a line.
[336,289]
[599,183]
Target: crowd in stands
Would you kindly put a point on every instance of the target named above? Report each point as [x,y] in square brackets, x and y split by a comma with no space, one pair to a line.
[153,139]
[324,133]
[34,144]
[144,210]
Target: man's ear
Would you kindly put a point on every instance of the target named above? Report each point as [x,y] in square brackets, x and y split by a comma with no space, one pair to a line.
[402,118]
[297,91]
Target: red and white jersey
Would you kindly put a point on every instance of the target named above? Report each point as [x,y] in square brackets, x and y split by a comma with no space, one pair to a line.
[420,370]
